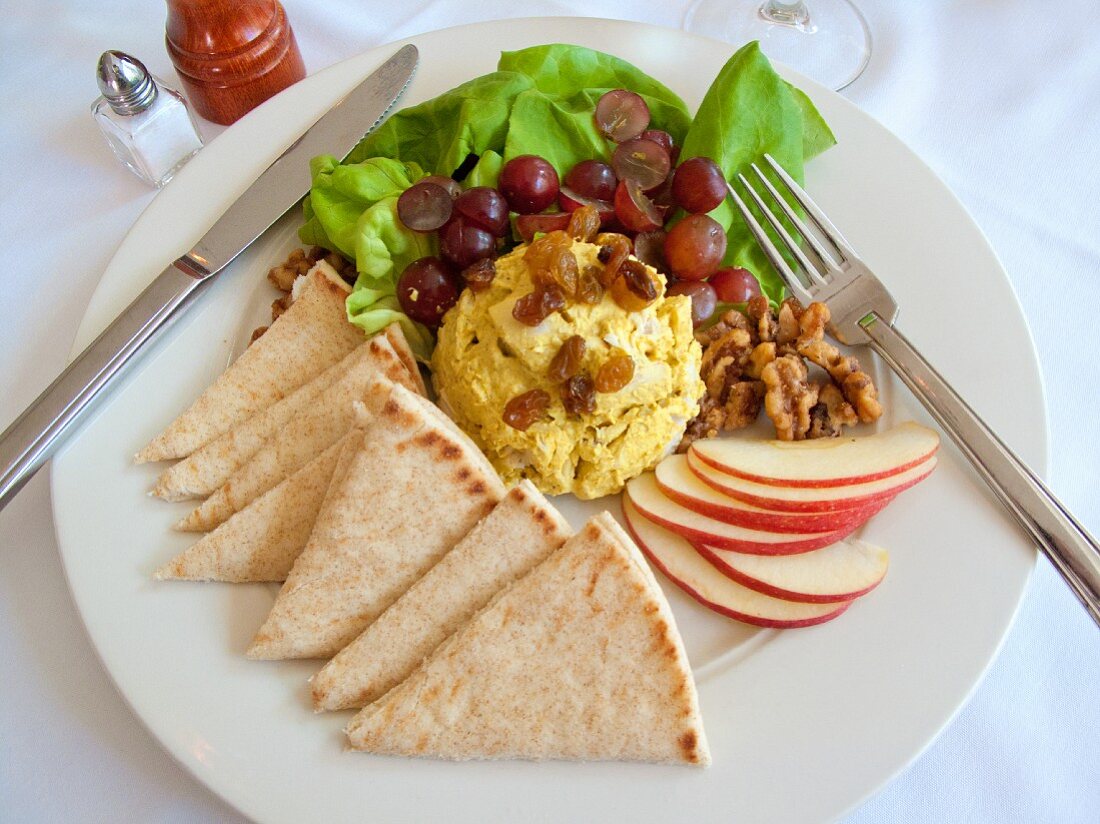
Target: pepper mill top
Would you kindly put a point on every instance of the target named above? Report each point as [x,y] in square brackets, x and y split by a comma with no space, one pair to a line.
[231,56]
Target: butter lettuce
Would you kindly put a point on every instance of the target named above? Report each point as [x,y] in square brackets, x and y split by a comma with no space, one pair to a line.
[748,111]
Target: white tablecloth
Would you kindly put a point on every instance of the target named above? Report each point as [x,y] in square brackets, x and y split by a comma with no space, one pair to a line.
[1001,99]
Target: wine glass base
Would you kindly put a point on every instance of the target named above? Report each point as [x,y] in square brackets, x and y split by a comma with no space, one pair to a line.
[832,47]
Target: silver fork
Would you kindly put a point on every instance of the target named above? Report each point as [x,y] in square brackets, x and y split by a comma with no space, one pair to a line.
[863,312]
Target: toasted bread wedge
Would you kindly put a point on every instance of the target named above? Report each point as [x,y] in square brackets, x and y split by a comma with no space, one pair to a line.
[312,335]
[262,541]
[520,532]
[415,488]
[580,659]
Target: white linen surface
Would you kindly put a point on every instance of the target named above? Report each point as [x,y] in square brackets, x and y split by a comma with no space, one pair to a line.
[1001,99]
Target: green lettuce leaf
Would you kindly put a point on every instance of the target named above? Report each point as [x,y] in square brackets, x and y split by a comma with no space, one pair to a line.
[373,305]
[486,171]
[748,111]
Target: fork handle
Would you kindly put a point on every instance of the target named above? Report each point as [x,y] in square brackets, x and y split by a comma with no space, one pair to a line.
[1074,553]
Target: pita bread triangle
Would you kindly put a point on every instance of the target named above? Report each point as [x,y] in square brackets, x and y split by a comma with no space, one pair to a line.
[321,423]
[521,531]
[260,542]
[203,471]
[306,339]
[578,660]
[416,486]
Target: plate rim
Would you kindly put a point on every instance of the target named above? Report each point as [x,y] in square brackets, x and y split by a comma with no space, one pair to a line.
[86,327]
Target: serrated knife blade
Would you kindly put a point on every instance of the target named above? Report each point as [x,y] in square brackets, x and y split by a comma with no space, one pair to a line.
[34,436]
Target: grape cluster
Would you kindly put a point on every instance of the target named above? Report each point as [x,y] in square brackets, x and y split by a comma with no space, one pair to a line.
[636,196]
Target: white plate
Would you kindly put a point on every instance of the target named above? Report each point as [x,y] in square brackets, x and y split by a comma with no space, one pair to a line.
[803,724]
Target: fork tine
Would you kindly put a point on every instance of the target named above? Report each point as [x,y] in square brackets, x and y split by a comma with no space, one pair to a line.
[813,210]
[780,229]
[766,245]
[824,255]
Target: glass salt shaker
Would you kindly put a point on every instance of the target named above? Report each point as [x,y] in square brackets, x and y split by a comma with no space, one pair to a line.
[146,122]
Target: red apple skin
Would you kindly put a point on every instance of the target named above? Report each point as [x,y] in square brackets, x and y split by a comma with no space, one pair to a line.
[867,477]
[750,547]
[780,505]
[778,521]
[812,484]
[729,613]
[776,592]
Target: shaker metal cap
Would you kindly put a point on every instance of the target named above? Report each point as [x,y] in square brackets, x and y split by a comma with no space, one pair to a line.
[125,82]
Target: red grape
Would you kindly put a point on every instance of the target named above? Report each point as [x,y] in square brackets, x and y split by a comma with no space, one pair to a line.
[734,285]
[699,185]
[529,183]
[649,248]
[661,138]
[695,246]
[528,225]
[570,201]
[453,187]
[641,160]
[636,211]
[424,207]
[484,208]
[426,290]
[462,243]
[592,178]
[621,115]
[703,298]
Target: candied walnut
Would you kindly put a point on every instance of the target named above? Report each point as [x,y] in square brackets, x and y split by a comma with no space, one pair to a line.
[615,373]
[762,317]
[532,309]
[279,306]
[578,395]
[731,320]
[282,276]
[524,410]
[743,403]
[724,361]
[786,326]
[812,322]
[830,414]
[789,397]
[259,330]
[551,262]
[567,362]
[584,223]
[589,288]
[761,355]
[479,276]
[707,424]
[856,385]
[635,287]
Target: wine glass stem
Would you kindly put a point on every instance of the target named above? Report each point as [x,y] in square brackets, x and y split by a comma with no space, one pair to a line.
[796,15]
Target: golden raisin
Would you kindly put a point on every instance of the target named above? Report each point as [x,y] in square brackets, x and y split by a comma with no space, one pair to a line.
[589,288]
[524,410]
[532,309]
[635,287]
[615,373]
[614,249]
[567,362]
[551,261]
[479,276]
[578,395]
[584,223]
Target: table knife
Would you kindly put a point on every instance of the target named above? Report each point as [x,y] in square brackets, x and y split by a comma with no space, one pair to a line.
[34,436]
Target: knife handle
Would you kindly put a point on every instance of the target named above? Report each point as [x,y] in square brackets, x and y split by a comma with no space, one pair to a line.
[38,432]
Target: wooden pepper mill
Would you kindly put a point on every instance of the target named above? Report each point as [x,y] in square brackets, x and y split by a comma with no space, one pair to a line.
[231,56]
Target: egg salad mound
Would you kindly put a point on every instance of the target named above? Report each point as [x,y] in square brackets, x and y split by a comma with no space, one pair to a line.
[485,357]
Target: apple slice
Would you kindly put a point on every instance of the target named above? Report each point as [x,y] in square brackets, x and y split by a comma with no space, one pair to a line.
[689,570]
[824,462]
[838,572]
[680,484]
[648,499]
[805,499]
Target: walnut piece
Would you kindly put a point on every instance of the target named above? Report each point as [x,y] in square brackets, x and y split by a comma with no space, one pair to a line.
[845,372]
[789,397]
[830,414]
